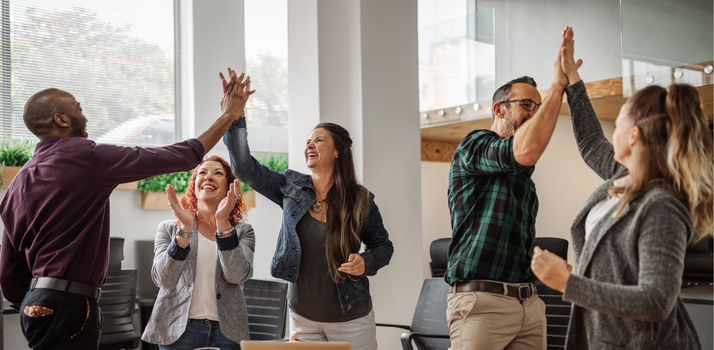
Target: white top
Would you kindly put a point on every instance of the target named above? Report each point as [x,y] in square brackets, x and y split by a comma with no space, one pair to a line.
[203,300]
[601,209]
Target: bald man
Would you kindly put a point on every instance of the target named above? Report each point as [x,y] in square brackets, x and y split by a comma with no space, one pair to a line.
[55,247]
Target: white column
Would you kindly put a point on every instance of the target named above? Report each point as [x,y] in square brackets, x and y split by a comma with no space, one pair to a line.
[218,43]
[355,63]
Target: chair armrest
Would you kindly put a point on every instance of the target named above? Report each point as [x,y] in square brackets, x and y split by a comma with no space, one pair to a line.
[394,325]
[407,338]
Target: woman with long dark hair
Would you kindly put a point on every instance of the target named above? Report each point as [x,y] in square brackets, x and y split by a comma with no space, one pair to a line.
[201,260]
[327,215]
[631,234]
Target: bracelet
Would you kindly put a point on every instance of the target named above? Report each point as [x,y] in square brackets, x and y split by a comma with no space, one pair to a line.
[223,234]
[183,233]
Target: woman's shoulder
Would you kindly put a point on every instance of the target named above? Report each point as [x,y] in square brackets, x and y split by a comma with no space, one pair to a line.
[167,225]
[660,201]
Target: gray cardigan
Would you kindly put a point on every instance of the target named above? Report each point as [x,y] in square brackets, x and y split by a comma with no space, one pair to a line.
[625,289]
[175,278]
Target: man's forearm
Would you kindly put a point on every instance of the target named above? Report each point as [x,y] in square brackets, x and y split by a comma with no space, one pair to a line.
[532,137]
[215,132]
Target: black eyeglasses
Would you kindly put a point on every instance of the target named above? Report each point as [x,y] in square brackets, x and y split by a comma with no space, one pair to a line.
[526,103]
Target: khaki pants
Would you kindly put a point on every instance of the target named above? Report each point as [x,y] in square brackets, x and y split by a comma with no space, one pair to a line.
[488,321]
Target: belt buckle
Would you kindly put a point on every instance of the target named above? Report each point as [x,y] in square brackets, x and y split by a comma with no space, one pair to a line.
[520,295]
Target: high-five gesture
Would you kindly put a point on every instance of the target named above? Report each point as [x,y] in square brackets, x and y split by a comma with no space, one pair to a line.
[235,93]
[235,96]
[567,57]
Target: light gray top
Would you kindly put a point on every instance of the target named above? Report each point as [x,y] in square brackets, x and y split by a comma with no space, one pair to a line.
[625,291]
[176,278]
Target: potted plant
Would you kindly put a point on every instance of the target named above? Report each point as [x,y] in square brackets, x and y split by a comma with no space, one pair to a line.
[153,189]
[14,153]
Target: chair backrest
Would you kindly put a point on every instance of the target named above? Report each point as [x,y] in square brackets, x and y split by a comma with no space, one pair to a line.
[439,250]
[430,315]
[266,302]
[557,312]
[557,246]
[116,253]
[120,325]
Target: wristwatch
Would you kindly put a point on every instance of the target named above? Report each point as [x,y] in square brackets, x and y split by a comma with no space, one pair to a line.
[183,233]
[222,234]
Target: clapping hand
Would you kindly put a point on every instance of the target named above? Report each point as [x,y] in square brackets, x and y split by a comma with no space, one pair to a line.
[225,208]
[551,269]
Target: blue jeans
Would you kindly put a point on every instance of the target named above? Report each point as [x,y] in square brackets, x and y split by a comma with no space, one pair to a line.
[200,333]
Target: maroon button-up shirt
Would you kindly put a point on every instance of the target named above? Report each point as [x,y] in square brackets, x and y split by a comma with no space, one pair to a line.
[56,211]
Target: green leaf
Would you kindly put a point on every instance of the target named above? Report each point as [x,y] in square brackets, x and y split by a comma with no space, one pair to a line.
[16,152]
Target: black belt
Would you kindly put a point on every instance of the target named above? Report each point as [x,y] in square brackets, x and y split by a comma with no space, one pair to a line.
[65,286]
[522,292]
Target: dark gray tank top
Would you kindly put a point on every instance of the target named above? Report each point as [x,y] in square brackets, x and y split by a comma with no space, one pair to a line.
[314,294]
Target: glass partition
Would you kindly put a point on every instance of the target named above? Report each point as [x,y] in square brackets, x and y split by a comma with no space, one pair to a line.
[456,53]
[665,42]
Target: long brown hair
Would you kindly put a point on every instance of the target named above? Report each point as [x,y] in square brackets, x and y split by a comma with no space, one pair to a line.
[348,204]
[677,151]
[239,208]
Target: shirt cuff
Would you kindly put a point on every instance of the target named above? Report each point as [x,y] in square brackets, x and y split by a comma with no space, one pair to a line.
[176,252]
[238,124]
[227,243]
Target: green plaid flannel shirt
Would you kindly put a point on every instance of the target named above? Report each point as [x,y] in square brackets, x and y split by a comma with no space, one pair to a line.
[493,206]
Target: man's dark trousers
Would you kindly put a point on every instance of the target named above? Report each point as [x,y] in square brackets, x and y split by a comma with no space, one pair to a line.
[60,320]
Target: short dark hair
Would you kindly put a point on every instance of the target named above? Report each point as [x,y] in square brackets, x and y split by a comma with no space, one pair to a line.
[502,93]
[40,109]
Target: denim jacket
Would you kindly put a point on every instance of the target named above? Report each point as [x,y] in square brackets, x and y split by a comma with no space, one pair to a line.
[294,192]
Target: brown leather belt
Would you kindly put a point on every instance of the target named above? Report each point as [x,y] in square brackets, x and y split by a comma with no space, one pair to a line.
[66,286]
[522,292]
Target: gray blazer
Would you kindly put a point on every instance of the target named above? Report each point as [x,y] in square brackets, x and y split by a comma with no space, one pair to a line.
[175,278]
[625,289]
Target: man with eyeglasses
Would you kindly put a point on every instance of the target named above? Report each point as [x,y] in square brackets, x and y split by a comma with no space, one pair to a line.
[492,301]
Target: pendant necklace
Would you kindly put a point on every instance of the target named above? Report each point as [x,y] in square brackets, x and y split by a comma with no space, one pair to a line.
[317,207]
[209,222]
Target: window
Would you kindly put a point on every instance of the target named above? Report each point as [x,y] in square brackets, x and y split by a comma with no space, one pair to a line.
[456,53]
[123,60]
[266,60]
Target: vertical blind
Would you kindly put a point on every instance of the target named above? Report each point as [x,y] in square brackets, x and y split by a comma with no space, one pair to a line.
[124,61]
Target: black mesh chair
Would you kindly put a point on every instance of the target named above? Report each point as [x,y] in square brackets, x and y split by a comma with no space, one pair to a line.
[438,250]
[557,312]
[266,302]
[429,329]
[120,325]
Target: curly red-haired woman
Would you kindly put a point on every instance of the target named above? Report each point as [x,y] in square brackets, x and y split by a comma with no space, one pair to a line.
[201,261]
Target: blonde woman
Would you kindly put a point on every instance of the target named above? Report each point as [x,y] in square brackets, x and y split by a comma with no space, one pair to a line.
[631,234]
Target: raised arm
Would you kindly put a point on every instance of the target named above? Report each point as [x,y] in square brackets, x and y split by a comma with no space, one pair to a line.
[531,138]
[247,169]
[236,93]
[595,149]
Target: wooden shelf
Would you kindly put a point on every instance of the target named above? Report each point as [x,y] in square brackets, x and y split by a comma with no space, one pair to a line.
[441,135]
